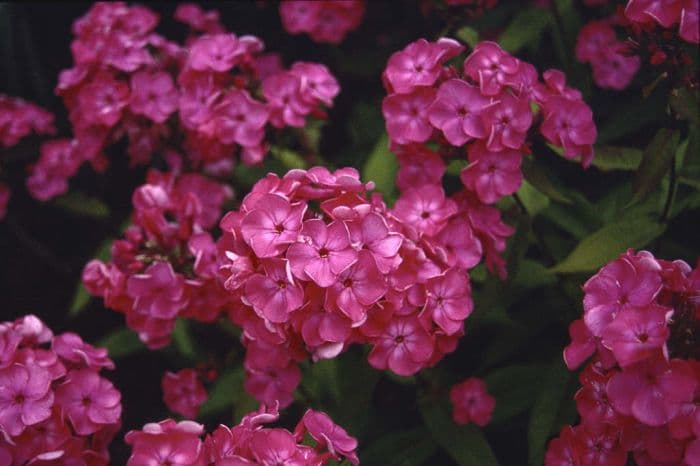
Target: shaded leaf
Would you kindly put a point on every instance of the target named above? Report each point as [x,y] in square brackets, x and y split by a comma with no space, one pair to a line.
[607,243]
[685,103]
[80,300]
[287,157]
[408,447]
[533,200]
[226,393]
[539,179]
[525,30]
[617,158]
[656,161]
[546,409]
[183,340]
[514,398]
[532,274]
[468,35]
[381,167]
[121,343]
[82,204]
[465,444]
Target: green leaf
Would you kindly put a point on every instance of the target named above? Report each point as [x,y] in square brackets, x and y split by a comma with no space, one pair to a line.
[227,393]
[381,167]
[321,380]
[545,410]
[183,340]
[540,180]
[455,167]
[287,157]
[532,274]
[512,398]
[617,158]
[533,200]
[609,242]
[465,444]
[656,161]
[80,299]
[81,204]
[645,112]
[525,30]
[468,35]
[121,343]
[685,103]
[408,447]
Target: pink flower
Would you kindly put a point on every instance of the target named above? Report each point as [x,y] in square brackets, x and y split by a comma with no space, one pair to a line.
[328,434]
[560,451]
[167,442]
[456,111]
[652,390]
[418,165]
[507,121]
[274,294]
[317,83]
[613,69]
[102,101]
[425,208]
[471,402]
[664,12]
[272,224]
[4,199]
[449,300]
[217,52]
[374,235]
[582,345]
[71,348]
[689,32]
[637,334]
[599,446]
[89,401]
[593,39]
[327,21]
[592,401]
[158,292]
[404,347]
[286,102]
[323,253]
[240,119]
[276,447]
[406,115]
[153,95]
[491,67]
[274,384]
[25,397]
[492,174]
[569,124]
[357,288]
[459,243]
[419,64]
[183,392]
[59,160]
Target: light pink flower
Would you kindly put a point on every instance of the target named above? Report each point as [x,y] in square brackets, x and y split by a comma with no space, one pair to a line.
[328,434]
[425,208]
[89,401]
[637,334]
[25,397]
[183,392]
[456,111]
[471,402]
[274,294]
[491,67]
[492,175]
[507,121]
[406,115]
[419,64]
[404,347]
[153,95]
[158,292]
[449,300]
[272,225]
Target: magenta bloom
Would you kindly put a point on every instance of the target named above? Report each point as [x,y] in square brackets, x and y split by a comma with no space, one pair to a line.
[664,12]
[274,384]
[153,95]
[569,124]
[613,69]
[426,209]
[276,446]
[491,67]
[25,397]
[240,119]
[218,52]
[323,253]
[327,21]
[492,174]
[653,390]
[330,435]
[158,292]
[167,442]
[456,111]
[317,82]
[406,115]
[459,243]
[286,102]
[560,451]
[404,347]
[102,101]
[471,402]
[275,293]
[582,345]
[71,348]
[418,165]
[272,225]
[183,392]
[507,121]
[89,401]
[419,64]
[637,334]
[592,40]
[449,300]
[357,288]
[374,235]
[689,32]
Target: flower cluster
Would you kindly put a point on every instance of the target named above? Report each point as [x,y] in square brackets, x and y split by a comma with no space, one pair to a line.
[197,105]
[324,21]
[483,111]
[471,402]
[613,64]
[667,13]
[183,392]
[55,407]
[249,442]
[315,265]
[19,119]
[165,266]
[641,389]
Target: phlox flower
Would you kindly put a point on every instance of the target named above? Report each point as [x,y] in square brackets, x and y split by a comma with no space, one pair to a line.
[456,111]
[492,175]
[471,402]
[183,392]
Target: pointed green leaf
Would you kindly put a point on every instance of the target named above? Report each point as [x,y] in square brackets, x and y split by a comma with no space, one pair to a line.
[465,444]
[287,157]
[533,200]
[513,399]
[183,340]
[121,343]
[609,242]
[526,29]
[381,168]
[656,162]
[469,36]
[80,300]
[82,204]
[400,448]
[540,180]
[617,158]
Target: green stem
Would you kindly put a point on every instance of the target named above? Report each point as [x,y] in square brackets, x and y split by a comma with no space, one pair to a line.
[672,183]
